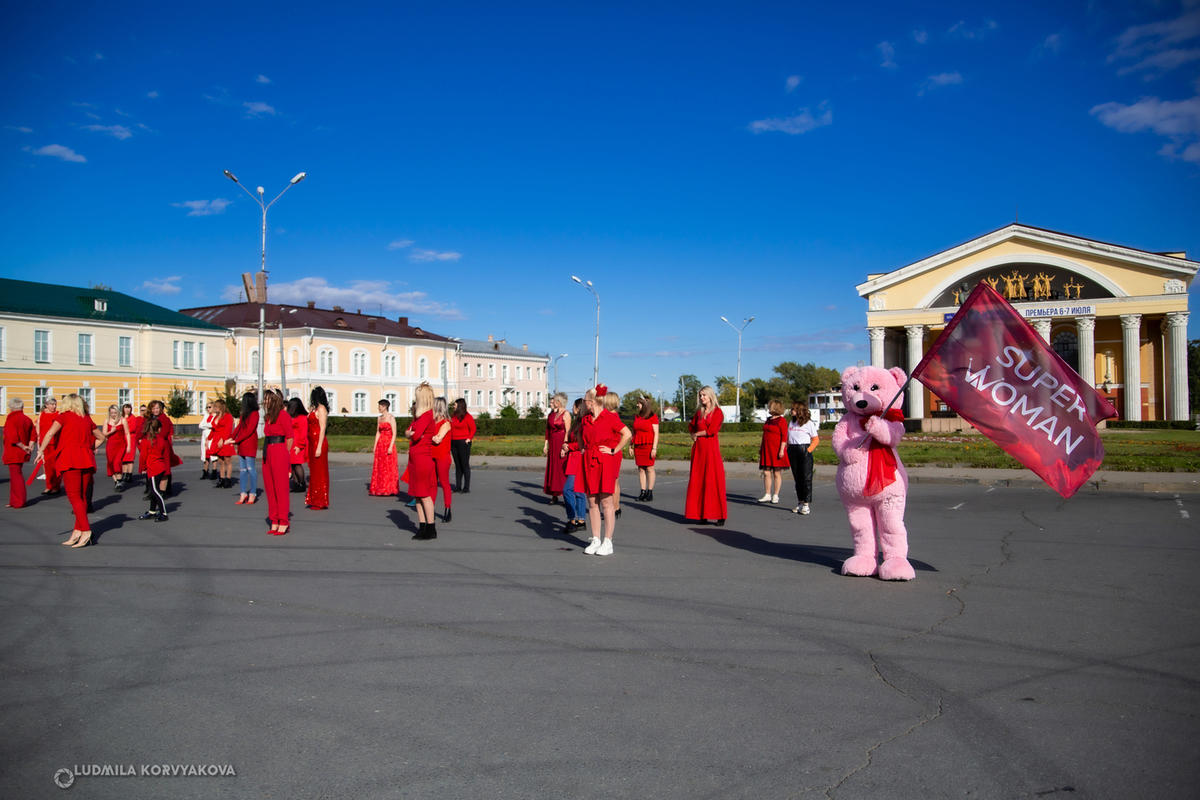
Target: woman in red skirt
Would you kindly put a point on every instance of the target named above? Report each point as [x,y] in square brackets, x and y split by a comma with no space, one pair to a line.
[277,463]
[603,440]
[422,474]
[441,453]
[645,446]
[134,424]
[220,443]
[117,438]
[77,441]
[772,453]
[706,483]
[299,451]
[317,496]
[49,455]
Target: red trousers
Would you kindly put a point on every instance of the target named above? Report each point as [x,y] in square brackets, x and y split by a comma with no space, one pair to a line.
[16,485]
[277,466]
[442,467]
[78,484]
[53,479]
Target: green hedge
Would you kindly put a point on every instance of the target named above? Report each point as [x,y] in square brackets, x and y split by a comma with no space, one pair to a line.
[365,426]
[1153,424]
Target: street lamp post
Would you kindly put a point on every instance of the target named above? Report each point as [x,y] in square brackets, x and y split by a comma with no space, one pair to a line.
[738,391]
[556,358]
[596,367]
[262,314]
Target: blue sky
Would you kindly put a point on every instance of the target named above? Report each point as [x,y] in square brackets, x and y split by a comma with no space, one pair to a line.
[692,160]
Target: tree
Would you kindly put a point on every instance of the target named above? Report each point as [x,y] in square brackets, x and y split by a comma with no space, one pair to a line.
[686,399]
[629,401]
[803,379]
[1193,359]
[509,412]
[535,412]
[177,403]
[233,402]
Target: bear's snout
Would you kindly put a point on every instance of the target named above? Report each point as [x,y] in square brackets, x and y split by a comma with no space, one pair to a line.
[861,404]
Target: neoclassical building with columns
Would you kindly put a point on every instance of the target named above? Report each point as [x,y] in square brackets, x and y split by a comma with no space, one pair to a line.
[1116,314]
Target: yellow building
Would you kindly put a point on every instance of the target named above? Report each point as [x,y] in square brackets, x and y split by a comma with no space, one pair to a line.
[1116,314]
[104,345]
[357,358]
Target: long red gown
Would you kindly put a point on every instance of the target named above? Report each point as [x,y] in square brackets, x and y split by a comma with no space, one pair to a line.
[318,466]
[385,474]
[706,484]
[556,431]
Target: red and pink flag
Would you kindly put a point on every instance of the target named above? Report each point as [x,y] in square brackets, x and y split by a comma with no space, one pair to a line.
[997,373]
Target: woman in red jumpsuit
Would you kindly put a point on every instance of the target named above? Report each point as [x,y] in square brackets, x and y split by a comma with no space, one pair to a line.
[317,496]
[706,484]
[441,453]
[422,474]
[277,462]
[49,455]
[772,453]
[604,438]
[77,441]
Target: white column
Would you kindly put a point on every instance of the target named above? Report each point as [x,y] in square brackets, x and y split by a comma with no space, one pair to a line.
[1175,326]
[877,336]
[916,349]
[1086,328]
[1131,339]
[1042,326]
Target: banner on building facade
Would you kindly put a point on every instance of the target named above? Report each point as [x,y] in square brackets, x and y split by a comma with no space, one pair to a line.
[997,373]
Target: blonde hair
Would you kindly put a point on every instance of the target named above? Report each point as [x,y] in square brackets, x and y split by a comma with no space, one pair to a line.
[441,410]
[74,402]
[612,401]
[707,391]
[561,397]
[220,407]
[113,408]
[775,407]
[423,399]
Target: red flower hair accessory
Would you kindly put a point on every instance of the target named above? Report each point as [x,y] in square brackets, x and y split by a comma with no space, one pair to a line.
[601,390]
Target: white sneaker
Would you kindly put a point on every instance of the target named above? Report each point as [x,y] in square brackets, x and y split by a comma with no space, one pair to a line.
[605,549]
[804,509]
[593,546]
[766,498]
[775,499]
[796,510]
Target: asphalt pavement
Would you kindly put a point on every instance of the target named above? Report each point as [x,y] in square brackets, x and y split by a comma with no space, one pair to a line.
[1046,648]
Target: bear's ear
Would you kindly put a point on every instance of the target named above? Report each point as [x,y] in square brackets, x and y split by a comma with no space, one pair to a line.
[899,375]
[848,375]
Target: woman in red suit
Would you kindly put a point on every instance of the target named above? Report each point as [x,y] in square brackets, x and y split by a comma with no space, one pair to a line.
[772,453]
[220,443]
[462,431]
[49,455]
[706,484]
[385,473]
[19,437]
[441,454]
[245,442]
[604,438]
[299,451]
[277,462]
[317,496]
[422,474]
[77,441]
[116,445]
[134,426]
[645,446]
[557,423]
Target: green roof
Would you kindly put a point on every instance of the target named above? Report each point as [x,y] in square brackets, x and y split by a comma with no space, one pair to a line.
[52,300]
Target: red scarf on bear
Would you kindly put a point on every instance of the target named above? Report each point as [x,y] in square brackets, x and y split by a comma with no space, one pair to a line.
[881,460]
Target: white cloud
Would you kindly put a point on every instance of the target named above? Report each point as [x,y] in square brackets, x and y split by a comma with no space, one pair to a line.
[367,295]
[262,79]
[1051,44]
[257,109]
[1177,121]
[802,121]
[1152,48]
[399,244]
[18,128]
[792,82]
[962,30]
[920,36]
[115,131]
[433,255]
[204,208]
[58,151]
[163,285]
[887,52]
[152,94]
[939,80]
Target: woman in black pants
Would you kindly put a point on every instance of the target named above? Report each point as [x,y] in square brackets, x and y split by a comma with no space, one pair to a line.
[802,440]
[462,431]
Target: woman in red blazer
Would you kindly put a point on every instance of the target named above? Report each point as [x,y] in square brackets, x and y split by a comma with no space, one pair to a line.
[19,436]
[77,441]
[49,455]
[462,431]
[245,440]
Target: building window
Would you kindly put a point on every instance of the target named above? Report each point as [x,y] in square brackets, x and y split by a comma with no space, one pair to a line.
[41,347]
[254,362]
[392,399]
[200,355]
[478,397]
[528,399]
[325,362]
[539,399]
[100,305]
[175,354]
[200,401]
[40,393]
[85,392]
[491,371]
[124,397]
[422,368]
[1,344]
[491,398]
[504,374]
[478,370]
[360,402]
[442,369]
[333,406]
[189,355]
[389,365]
[85,348]
[1066,344]
[358,363]
[190,397]
[125,351]
[466,370]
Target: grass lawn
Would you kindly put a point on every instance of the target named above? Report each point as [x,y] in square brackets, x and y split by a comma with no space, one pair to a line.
[1125,450]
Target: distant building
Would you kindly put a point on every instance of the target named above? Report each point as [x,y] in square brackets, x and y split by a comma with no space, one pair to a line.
[826,405]
[357,358]
[106,346]
[496,374]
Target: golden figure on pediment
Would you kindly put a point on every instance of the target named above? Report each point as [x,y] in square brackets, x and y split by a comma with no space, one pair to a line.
[993,282]
[1041,286]
[1073,285]
[1014,286]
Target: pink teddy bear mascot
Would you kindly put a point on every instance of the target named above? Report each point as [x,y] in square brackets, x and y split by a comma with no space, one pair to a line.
[870,478]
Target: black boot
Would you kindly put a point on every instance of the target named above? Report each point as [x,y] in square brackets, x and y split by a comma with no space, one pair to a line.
[422,531]
[204,474]
[446,516]
[649,495]
[431,531]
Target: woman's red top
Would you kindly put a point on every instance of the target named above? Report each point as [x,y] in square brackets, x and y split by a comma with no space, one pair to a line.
[643,430]
[18,430]
[422,436]
[245,435]
[282,426]
[441,451]
[222,429]
[156,455]
[76,442]
[461,429]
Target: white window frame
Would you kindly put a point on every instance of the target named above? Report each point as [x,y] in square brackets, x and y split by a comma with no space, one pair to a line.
[390,363]
[359,403]
[331,395]
[479,398]
[1,342]
[491,371]
[478,369]
[491,399]
[90,340]
[392,398]
[254,363]
[326,361]
[198,405]
[124,351]
[189,355]
[40,395]
[422,368]
[124,396]
[199,356]
[359,363]
[504,373]
[175,354]
[48,356]
[88,394]
[443,370]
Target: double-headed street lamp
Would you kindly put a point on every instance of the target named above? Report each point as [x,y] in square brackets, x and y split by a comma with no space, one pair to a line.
[262,314]
[588,285]
[738,331]
[556,358]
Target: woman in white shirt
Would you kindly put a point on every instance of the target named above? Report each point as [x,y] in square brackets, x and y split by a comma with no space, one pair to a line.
[801,441]
[205,427]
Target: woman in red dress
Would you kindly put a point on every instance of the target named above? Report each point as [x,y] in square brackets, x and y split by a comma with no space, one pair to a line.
[772,453]
[385,472]
[77,442]
[49,455]
[421,471]
[462,431]
[441,454]
[604,438]
[557,424]
[134,425]
[299,451]
[317,496]
[19,438]
[277,462]
[706,484]
[645,446]
[220,443]
[116,435]
[245,441]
